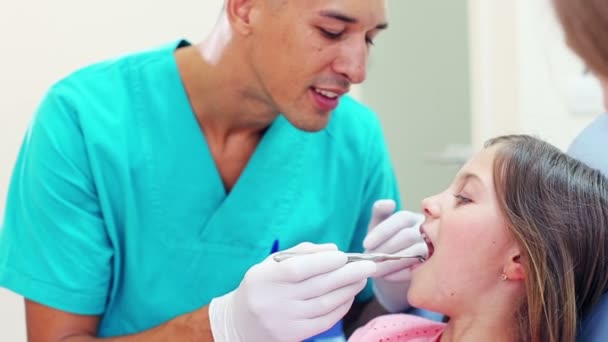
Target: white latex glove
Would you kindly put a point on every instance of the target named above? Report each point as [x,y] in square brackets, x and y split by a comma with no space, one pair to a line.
[290,300]
[395,233]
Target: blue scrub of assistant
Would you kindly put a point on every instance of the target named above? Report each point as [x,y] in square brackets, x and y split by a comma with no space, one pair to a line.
[275,246]
[335,334]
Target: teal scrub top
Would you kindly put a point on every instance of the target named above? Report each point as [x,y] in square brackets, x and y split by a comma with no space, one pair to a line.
[116,208]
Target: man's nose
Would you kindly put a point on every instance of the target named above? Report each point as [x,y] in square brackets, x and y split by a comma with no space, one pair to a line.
[352,62]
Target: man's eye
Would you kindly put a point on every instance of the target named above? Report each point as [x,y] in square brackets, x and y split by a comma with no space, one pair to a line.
[460,199]
[330,34]
[369,41]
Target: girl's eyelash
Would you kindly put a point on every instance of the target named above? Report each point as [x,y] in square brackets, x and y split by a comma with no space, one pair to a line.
[460,199]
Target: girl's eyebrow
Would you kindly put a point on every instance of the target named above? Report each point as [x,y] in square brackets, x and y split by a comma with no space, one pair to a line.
[470,176]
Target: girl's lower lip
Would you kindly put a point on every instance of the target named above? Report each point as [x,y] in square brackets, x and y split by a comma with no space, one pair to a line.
[415,266]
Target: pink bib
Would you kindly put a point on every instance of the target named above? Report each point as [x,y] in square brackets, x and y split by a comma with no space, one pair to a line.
[399,328]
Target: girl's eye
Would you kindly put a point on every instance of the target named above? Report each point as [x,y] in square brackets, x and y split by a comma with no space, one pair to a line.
[460,199]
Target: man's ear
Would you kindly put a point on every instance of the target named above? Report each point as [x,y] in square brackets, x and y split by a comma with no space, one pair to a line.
[515,268]
[238,13]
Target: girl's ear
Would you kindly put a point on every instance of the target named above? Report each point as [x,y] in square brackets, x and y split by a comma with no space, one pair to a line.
[515,270]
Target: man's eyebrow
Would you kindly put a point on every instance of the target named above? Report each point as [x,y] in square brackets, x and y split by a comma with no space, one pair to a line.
[347,19]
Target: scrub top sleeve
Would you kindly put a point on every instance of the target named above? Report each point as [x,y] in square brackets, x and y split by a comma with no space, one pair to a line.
[54,249]
[380,183]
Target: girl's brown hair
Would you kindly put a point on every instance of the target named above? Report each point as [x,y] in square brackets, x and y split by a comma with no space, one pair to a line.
[585,24]
[557,209]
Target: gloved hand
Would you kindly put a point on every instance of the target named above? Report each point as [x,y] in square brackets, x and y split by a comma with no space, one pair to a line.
[394,233]
[290,300]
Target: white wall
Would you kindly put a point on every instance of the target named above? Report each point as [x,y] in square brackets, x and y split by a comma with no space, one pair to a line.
[418,84]
[524,78]
[41,41]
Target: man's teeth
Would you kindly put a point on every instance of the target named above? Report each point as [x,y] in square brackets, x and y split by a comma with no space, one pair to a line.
[327,93]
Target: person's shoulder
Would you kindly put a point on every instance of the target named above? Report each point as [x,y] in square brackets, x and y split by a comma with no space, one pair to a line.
[111,74]
[354,120]
[101,96]
[588,145]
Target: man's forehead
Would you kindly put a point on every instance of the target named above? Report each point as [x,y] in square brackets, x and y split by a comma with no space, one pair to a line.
[369,12]
[279,3]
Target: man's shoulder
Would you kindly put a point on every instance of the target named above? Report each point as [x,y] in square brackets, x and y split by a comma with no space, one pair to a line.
[111,97]
[112,73]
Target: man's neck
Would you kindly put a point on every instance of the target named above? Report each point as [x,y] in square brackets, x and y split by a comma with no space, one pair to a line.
[221,93]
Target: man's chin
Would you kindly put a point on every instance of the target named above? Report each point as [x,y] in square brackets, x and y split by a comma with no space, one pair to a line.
[310,124]
[311,128]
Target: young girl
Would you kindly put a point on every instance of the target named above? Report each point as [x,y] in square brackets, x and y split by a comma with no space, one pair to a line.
[517,250]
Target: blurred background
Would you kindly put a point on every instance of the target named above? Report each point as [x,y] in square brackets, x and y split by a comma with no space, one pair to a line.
[446,76]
